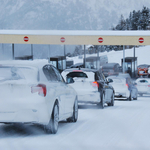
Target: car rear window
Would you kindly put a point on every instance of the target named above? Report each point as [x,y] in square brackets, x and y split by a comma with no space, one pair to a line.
[143,81]
[77,74]
[17,73]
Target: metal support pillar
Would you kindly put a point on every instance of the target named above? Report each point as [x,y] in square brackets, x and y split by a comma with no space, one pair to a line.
[84,56]
[64,50]
[123,59]
[13,57]
[97,62]
[32,51]
[134,62]
[49,49]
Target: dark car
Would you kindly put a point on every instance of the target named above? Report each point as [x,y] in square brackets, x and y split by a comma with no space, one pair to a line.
[90,85]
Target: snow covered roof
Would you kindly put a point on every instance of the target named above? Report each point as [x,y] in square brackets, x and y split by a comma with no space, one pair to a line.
[77,32]
[75,37]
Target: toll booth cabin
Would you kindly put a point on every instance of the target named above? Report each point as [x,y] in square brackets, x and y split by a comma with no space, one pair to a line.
[95,62]
[130,65]
[59,62]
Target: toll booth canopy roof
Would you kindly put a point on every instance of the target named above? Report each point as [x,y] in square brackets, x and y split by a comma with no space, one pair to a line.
[130,59]
[57,58]
[77,32]
[75,37]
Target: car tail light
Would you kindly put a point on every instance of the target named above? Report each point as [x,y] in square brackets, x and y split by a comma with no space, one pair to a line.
[95,84]
[127,85]
[77,70]
[40,88]
[149,85]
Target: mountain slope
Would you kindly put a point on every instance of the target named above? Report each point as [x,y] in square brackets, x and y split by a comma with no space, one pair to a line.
[65,14]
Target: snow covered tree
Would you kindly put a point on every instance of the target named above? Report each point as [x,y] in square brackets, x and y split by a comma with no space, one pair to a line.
[122,24]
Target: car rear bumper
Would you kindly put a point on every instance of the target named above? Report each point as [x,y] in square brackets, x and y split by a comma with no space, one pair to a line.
[92,97]
[25,111]
[122,95]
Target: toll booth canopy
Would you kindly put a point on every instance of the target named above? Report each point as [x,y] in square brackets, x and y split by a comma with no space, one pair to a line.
[59,62]
[30,57]
[129,65]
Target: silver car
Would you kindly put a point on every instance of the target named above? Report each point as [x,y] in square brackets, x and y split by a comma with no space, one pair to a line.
[35,92]
[124,87]
[143,86]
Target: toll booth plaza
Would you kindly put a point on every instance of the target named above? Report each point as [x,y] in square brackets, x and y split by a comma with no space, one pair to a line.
[59,62]
[130,65]
[75,37]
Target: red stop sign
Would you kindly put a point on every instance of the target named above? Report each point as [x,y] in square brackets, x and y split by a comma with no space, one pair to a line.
[26,39]
[141,40]
[100,40]
[62,39]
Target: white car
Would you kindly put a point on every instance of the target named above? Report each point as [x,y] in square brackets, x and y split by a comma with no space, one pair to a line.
[90,85]
[35,92]
[123,86]
[143,86]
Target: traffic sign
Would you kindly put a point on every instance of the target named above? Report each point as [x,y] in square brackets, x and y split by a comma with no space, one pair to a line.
[100,40]
[26,39]
[62,39]
[141,40]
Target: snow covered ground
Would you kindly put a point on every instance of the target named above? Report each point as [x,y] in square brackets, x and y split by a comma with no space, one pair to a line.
[122,127]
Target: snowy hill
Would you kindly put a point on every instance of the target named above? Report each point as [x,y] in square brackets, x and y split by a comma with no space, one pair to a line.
[142,54]
[65,14]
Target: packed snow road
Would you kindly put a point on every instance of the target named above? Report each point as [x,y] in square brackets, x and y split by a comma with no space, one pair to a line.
[126,126]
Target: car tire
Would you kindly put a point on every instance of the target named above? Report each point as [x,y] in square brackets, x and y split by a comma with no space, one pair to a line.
[74,117]
[112,101]
[102,103]
[52,126]
[129,98]
[135,98]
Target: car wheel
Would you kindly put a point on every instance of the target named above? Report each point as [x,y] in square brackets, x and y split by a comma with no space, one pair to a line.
[129,98]
[102,103]
[52,126]
[135,98]
[74,117]
[112,101]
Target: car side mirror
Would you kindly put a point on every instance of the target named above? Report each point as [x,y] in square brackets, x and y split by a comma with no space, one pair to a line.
[69,80]
[109,80]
